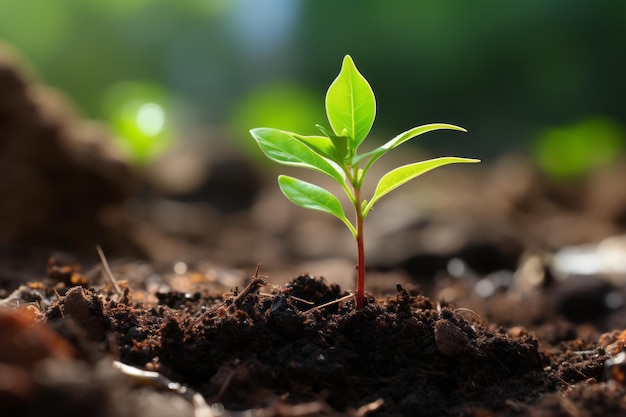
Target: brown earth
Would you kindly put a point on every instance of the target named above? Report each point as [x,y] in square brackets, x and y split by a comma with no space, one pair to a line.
[487,317]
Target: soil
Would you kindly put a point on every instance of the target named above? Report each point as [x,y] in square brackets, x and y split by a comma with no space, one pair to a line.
[479,304]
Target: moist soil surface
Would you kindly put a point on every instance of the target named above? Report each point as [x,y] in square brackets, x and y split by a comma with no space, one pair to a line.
[482,300]
[295,350]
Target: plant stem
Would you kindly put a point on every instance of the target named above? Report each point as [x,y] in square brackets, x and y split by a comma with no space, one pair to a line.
[360,277]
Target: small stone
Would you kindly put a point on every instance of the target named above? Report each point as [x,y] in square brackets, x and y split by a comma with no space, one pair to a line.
[449,338]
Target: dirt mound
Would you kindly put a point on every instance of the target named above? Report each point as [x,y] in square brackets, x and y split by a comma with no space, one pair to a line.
[62,183]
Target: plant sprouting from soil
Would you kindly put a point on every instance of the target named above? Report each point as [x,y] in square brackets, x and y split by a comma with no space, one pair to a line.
[351,108]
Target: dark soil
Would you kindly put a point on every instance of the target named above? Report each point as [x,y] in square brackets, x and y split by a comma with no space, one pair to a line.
[255,350]
[475,308]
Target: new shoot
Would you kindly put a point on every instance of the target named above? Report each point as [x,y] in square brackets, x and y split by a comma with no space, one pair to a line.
[351,109]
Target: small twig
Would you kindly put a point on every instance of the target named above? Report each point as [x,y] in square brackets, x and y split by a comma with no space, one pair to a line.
[202,409]
[583,352]
[337,301]
[140,376]
[226,384]
[302,300]
[369,407]
[107,270]
[257,282]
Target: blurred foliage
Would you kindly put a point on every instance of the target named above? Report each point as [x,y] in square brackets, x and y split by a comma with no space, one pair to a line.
[569,151]
[293,105]
[502,69]
[138,113]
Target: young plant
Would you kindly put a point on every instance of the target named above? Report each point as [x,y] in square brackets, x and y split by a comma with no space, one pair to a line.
[351,108]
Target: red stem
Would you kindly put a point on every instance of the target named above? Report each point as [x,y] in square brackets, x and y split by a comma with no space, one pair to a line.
[360,277]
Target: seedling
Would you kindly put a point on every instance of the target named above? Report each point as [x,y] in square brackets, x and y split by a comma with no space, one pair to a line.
[351,108]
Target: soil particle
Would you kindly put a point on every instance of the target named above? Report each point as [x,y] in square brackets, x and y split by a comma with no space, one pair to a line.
[450,339]
[26,340]
[86,310]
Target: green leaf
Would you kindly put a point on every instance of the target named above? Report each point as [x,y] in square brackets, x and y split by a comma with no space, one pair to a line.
[401,138]
[341,145]
[350,104]
[395,178]
[311,196]
[322,145]
[282,147]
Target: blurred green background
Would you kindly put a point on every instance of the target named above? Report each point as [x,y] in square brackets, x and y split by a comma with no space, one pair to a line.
[542,77]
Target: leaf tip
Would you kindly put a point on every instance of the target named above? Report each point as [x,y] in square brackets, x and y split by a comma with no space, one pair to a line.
[470,160]
[455,127]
